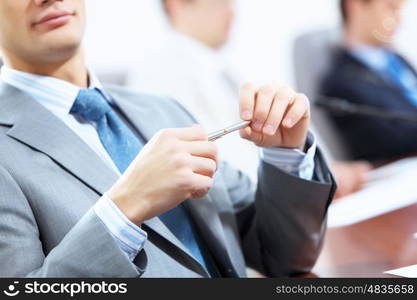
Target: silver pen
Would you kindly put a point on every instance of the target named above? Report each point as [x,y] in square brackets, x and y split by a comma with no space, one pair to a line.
[218,134]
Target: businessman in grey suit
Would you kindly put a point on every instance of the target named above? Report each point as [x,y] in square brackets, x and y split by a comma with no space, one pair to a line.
[97,181]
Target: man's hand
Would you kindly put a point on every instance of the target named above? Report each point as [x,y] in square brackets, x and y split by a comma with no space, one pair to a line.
[280,116]
[350,176]
[175,165]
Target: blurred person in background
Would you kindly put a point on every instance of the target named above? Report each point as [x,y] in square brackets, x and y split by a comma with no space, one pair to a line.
[190,68]
[369,71]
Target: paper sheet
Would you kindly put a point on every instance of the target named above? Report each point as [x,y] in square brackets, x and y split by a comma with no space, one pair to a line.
[389,188]
[408,272]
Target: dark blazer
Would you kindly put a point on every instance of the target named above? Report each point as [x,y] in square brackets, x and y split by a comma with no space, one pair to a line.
[370,138]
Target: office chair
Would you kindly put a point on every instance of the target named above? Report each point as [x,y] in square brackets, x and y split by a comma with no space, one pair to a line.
[312,54]
[115,76]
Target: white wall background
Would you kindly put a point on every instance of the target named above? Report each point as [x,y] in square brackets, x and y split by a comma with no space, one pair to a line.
[121,32]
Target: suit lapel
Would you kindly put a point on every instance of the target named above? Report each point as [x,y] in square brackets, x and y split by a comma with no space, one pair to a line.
[41,130]
[147,121]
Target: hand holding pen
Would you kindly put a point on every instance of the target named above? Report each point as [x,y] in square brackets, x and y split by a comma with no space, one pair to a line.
[274,116]
[177,164]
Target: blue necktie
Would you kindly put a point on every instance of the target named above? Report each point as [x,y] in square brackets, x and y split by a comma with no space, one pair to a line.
[123,146]
[401,75]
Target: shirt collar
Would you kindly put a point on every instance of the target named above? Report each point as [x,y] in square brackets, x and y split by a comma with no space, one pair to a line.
[55,94]
[375,57]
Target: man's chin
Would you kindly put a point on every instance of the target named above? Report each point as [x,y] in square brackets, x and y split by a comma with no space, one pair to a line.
[60,50]
[60,37]
[59,42]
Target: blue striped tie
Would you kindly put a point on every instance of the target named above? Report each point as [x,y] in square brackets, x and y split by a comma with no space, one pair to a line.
[123,146]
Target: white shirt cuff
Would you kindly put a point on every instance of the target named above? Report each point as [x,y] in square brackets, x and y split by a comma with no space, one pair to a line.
[130,237]
[293,161]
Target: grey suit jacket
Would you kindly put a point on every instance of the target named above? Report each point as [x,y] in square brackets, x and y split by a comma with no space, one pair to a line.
[50,179]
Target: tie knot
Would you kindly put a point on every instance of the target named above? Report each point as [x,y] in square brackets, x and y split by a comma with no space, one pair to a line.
[91,105]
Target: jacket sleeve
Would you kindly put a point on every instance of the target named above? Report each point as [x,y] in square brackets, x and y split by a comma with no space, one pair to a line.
[87,250]
[283,223]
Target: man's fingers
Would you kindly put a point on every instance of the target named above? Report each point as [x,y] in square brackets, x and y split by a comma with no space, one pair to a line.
[202,149]
[263,103]
[299,110]
[279,108]
[245,133]
[194,133]
[203,166]
[249,134]
[201,185]
[247,101]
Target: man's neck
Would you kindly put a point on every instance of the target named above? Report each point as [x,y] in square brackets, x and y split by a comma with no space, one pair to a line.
[354,38]
[72,70]
[184,30]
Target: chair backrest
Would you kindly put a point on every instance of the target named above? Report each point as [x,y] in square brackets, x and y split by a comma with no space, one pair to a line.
[116,76]
[313,52]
